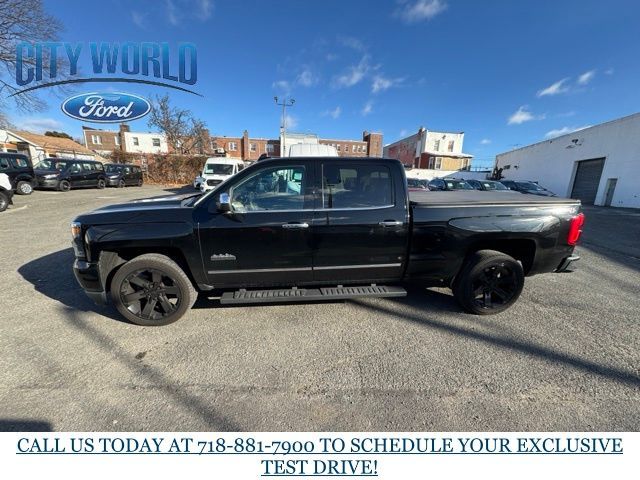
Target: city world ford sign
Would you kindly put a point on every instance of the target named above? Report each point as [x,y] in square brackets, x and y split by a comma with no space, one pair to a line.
[106,107]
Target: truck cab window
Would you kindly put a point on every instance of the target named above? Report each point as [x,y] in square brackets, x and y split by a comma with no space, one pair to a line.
[356,186]
[276,188]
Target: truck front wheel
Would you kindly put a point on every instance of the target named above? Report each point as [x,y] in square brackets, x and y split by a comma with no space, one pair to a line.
[152,290]
[489,282]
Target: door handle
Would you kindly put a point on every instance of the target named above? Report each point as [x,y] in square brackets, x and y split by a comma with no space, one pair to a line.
[390,223]
[291,226]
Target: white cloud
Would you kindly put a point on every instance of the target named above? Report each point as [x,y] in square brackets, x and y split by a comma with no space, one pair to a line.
[290,121]
[352,43]
[523,115]
[354,74]
[563,131]
[335,113]
[172,13]
[419,10]
[380,83]
[138,19]
[367,108]
[38,125]
[306,78]
[206,8]
[586,77]
[282,85]
[485,141]
[559,87]
[609,71]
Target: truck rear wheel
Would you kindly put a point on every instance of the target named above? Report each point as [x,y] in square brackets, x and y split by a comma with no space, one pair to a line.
[489,282]
[152,290]
[4,201]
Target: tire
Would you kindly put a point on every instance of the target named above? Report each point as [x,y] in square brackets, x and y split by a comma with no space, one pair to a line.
[24,188]
[152,290]
[101,184]
[4,202]
[64,186]
[488,283]
[121,184]
[140,182]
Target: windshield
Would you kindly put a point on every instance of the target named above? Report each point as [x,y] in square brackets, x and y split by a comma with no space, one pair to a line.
[113,168]
[493,185]
[530,186]
[51,165]
[458,185]
[218,169]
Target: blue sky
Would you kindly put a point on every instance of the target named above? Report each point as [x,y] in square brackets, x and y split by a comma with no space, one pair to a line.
[506,72]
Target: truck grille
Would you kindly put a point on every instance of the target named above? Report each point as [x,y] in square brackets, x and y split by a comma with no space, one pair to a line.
[213,183]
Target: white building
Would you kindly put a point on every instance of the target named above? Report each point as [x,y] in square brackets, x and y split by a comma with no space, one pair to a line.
[140,142]
[599,165]
[428,149]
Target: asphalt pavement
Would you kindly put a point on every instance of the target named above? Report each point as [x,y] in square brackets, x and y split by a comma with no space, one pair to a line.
[566,357]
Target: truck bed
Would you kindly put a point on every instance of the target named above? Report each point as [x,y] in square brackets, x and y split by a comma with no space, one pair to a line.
[475,197]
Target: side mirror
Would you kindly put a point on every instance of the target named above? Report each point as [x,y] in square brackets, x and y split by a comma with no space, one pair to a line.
[224,203]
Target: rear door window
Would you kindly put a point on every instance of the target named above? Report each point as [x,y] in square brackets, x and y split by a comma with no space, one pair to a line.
[4,164]
[346,186]
[19,162]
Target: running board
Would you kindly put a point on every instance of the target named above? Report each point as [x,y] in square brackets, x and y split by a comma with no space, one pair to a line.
[309,294]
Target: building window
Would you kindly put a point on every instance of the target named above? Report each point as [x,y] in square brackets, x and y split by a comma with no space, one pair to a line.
[135,141]
[438,165]
[270,148]
[338,147]
[233,146]
[117,140]
[156,142]
[436,145]
[96,139]
[431,162]
[253,147]
[451,143]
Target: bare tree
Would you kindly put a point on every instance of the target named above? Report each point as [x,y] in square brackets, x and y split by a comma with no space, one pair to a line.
[24,21]
[184,133]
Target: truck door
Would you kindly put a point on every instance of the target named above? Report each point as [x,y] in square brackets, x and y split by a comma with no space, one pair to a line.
[266,240]
[361,231]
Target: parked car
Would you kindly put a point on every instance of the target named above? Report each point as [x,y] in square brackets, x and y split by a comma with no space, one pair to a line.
[216,170]
[121,175]
[64,174]
[6,192]
[305,229]
[417,184]
[528,187]
[449,184]
[487,185]
[19,170]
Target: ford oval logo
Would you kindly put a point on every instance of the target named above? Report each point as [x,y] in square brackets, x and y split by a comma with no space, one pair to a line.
[106,107]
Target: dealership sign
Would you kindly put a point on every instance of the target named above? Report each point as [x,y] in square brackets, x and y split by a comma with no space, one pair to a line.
[106,107]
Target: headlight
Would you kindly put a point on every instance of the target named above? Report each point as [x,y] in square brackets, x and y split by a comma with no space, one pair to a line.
[76,242]
[76,229]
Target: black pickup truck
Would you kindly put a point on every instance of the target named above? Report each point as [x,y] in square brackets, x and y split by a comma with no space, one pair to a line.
[307,229]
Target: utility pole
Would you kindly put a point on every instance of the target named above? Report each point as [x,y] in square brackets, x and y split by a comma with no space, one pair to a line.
[285,103]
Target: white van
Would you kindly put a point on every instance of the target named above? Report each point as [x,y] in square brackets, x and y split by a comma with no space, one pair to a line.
[216,170]
[312,150]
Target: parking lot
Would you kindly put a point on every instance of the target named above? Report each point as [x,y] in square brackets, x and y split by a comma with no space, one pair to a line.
[565,357]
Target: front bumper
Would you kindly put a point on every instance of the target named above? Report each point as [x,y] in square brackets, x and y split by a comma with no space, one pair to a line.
[88,276]
[47,183]
[564,265]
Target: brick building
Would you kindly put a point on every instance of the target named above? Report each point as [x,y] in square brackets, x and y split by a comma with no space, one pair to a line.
[369,146]
[244,147]
[104,142]
[432,150]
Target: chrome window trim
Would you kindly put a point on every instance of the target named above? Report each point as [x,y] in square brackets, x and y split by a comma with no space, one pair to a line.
[317,210]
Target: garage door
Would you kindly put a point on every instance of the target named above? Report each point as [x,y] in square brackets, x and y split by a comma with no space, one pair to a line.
[585,185]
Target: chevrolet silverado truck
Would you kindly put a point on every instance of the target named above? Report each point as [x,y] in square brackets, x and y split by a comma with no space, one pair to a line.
[312,229]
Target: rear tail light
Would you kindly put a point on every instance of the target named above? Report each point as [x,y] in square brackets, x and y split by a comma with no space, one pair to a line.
[575,229]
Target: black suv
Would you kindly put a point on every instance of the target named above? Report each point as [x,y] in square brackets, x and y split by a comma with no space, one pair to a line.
[487,185]
[531,188]
[64,174]
[120,175]
[19,170]
[448,184]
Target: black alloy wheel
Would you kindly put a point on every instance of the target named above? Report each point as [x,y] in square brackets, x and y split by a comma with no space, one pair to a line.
[64,186]
[489,282]
[152,290]
[150,294]
[4,202]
